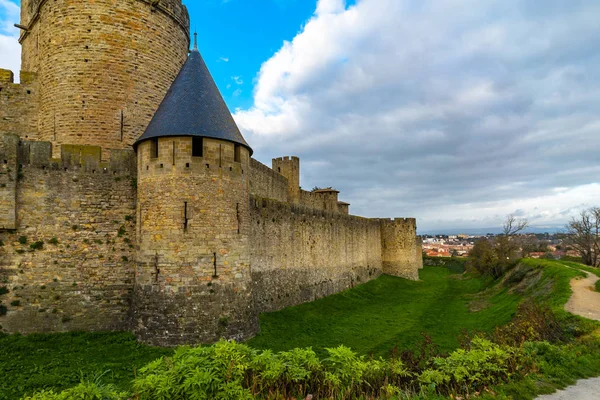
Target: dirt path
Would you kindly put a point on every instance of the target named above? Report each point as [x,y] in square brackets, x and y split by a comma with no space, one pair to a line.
[585,301]
[588,389]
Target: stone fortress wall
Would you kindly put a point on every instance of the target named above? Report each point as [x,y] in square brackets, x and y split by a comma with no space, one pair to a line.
[68,265]
[174,246]
[305,246]
[106,251]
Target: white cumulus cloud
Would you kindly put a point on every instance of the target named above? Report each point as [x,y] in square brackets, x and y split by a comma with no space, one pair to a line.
[456,112]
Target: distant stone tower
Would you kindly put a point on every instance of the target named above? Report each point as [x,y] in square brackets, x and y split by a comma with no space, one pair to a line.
[193,280]
[103,66]
[290,168]
[401,251]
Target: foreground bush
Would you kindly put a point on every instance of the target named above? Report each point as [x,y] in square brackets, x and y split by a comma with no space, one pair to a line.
[83,391]
[470,371]
[228,370]
[231,371]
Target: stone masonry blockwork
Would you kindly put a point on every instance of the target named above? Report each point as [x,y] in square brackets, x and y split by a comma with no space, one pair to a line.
[193,281]
[69,261]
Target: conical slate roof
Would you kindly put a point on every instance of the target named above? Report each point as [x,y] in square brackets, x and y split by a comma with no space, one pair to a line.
[194,106]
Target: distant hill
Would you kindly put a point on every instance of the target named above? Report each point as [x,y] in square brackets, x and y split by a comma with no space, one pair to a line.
[495,230]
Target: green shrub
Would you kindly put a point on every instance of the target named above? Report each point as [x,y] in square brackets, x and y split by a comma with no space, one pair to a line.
[22,239]
[1,243]
[83,391]
[484,364]
[4,290]
[454,264]
[53,241]
[598,286]
[15,303]
[532,323]
[210,372]
[37,245]
[3,310]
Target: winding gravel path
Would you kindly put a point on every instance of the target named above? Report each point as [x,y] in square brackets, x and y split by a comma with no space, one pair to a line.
[585,301]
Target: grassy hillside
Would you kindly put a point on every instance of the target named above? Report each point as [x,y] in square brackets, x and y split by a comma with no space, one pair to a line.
[387,312]
[371,319]
[62,360]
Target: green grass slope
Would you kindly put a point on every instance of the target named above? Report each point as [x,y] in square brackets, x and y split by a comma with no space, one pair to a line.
[60,361]
[387,312]
[371,319]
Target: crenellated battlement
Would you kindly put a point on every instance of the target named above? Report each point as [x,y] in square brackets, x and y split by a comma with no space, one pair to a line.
[76,158]
[175,155]
[25,77]
[27,153]
[286,158]
[19,104]
[400,221]
[258,203]
[30,13]
[6,76]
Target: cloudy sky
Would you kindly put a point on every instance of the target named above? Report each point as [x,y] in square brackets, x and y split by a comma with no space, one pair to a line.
[457,112]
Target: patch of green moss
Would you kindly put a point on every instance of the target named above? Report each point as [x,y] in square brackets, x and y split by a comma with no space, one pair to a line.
[37,245]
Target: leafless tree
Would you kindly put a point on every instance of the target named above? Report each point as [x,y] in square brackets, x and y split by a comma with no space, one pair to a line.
[514,225]
[506,244]
[584,236]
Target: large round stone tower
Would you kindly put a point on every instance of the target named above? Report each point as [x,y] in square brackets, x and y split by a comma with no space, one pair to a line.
[103,66]
[193,281]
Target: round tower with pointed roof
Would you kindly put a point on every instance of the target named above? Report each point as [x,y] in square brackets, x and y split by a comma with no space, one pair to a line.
[193,282]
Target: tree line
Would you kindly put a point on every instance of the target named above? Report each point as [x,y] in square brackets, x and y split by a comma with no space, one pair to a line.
[494,256]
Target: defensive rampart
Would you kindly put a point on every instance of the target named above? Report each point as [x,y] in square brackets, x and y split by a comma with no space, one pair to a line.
[68,235]
[266,183]
[68,264]
[299,254]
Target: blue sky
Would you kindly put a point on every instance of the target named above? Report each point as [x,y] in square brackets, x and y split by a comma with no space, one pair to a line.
[245,33]
[456,112]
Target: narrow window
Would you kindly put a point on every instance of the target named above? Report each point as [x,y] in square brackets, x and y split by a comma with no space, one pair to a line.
[215,265]
[237,157]
[237,212]
[154,148]
[185,216]
[156,269]
[197,147]
[122,125]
